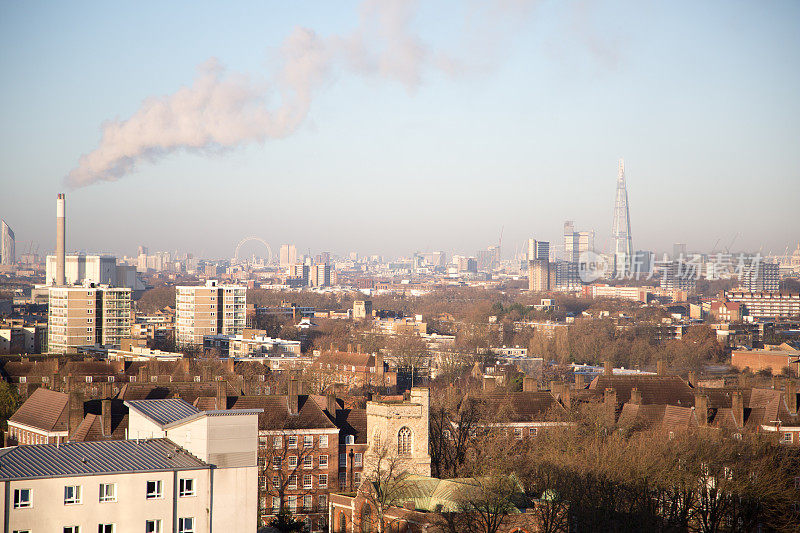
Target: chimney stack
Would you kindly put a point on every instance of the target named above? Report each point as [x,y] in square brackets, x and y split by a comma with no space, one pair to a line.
[488,384]
[660,368]
[332,404]
[693,379]
[701,408]
[636,396]
[529,384]
[222,395]
[292,397]
[610,398]
[737,408]
[608,368]
[580,381]
[106,415]
[61,223]
[791,395]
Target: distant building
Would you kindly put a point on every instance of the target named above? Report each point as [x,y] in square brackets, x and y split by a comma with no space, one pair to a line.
[636,294]
[301,272]
[538,250]
[767,304]
[760,276]
[87,316]
[362,309]
[678,251]
[288,255]
[208,309]
[565,276]
[320,275]
[7,245]
[775,359]
[539,275]
[97,269]
[643,262]
[679,275]
[576,242]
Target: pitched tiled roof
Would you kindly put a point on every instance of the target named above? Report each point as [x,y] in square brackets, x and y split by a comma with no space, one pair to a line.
[523,406]
[670,390]
[186,390]
[91,428]
[44,409]
[164,411]
[276,412]
[353,422]
[101,457]
[346,358]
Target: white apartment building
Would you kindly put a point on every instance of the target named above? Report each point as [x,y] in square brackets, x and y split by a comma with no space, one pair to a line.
[209,309]
[87,316]
[80,269]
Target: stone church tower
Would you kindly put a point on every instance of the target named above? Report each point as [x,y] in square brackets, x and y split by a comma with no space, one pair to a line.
[398,431]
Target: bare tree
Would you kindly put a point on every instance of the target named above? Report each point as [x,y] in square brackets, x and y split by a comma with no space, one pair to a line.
[385,484]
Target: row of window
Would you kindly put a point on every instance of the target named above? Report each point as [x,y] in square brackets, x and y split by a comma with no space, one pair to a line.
[292,441]
[303,503]
[186,524]
[73,494]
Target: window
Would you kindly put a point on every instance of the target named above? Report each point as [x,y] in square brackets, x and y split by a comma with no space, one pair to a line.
[277,442]
[72,494]
[276,462]
[342,460]
[108,492]
[154,490]
[292,461]
[185,525]
[532,432]
[307,502]
[23,498]
[323,502]
[307,481]
[292,500]
[323,461]
[308,462]
[292,482]
[276,482]
[342,480]
[292,441]
[186,487]
[152,526]
[404,441]
[323,441]
[357,478]
[105,528]
[72,529]
[308,441]
[357,459]
[787,437]
[88,379]
[518,433]
[323,481]
[349,439]
[276,504]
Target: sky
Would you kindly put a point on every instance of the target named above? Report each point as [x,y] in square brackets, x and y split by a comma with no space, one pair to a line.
[389,127]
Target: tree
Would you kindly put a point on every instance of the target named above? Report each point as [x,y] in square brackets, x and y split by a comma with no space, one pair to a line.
[385,485]
[9,402]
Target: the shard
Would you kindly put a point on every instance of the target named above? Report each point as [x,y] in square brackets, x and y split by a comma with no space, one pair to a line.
[622,251]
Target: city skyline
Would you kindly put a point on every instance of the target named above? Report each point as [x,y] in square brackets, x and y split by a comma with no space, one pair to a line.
[442,148]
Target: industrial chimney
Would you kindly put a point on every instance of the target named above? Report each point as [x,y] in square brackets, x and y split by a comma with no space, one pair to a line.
[60,240]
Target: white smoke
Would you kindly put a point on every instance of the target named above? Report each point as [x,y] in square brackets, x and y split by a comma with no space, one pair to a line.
[221,110]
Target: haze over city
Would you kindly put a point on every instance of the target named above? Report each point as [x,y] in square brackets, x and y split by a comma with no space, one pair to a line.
[395,127]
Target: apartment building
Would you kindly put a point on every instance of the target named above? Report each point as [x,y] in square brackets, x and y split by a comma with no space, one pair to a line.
[538,275]
[87,316]
[767,304]
[184,471]
[320,275]
[209,309]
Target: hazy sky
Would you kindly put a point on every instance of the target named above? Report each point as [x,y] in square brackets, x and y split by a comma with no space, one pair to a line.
[389,127]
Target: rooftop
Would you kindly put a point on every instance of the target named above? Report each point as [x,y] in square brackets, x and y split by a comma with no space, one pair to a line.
[91,458]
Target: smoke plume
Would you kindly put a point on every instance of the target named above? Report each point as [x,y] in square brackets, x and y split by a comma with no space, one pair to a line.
[222,110]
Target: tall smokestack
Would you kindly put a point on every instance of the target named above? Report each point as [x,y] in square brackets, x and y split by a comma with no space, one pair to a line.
[60,240]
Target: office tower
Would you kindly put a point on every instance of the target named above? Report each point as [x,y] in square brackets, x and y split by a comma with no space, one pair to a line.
[87,316]
[642,262]
[299,271]
[678,250]
[320,275]
[679,275]
[576,242]
[7,252]
[488,259]
[209,309]
[538,275]
[622,243]
[61,232]
[538,250]
[288,255]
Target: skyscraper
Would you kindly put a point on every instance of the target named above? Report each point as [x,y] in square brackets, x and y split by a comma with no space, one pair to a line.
[288,255]
[622,244]
[538,250]
[6,244]
[576,242]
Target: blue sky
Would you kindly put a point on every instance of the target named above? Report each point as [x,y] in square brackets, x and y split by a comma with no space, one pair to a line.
[700,98]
